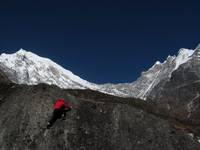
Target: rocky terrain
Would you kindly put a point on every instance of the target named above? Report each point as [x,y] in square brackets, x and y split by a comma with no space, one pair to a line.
[97,121]
[180,94]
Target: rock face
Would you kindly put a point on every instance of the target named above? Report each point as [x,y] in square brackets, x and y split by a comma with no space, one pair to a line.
[180,95]
[4,78]
[97,122]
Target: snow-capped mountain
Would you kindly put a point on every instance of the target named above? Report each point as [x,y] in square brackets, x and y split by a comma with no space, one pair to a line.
[149,79]
[180,95]
[25,67]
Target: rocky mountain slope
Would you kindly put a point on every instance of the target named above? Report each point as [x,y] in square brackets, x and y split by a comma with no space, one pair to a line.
[180,94]
[97,121]
[149,79]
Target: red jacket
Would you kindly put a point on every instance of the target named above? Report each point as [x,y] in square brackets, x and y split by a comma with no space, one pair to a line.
[60,103]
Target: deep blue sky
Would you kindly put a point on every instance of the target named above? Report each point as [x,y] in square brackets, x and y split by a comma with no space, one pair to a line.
[101,41]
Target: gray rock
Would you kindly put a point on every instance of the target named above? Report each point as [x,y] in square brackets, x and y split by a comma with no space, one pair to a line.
[97,122]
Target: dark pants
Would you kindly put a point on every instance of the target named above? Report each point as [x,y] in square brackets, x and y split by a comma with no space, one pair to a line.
[57,114]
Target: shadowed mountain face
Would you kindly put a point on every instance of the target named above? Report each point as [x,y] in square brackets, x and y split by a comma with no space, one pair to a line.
[181,94]
[3,78]
[97,122]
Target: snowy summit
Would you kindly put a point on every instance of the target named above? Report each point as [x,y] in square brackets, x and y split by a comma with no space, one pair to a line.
[32,69]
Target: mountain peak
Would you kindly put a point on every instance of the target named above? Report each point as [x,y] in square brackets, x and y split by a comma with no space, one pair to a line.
[158,63]
[29,68]
[183,56]
[22,52]
[183,51]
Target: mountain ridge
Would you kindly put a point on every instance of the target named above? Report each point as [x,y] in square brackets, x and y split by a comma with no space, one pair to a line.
[25,67]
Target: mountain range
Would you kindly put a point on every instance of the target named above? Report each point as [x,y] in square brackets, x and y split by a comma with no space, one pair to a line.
[25,67]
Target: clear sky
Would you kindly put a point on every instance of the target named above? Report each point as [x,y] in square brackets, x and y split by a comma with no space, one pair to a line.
[101,41]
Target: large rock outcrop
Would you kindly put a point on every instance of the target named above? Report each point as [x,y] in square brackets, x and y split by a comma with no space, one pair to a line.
[97,122]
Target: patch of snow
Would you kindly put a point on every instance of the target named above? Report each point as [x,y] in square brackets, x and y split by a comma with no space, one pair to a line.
[183,57]
[143,96]
[158,63]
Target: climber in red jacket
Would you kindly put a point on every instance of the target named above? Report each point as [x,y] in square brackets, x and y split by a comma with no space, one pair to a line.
[60,109]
